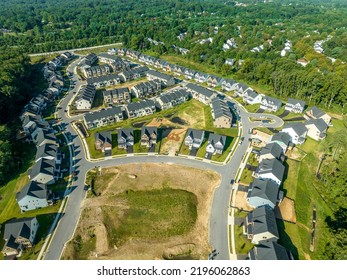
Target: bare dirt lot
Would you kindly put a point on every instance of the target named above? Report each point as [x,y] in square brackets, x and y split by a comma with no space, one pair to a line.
[94,239]
[286,210]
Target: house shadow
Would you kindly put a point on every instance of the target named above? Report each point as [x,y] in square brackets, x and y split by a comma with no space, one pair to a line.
[165,131]
[285,239]
[72,188]
[76,161]
[285,176]
[77,152]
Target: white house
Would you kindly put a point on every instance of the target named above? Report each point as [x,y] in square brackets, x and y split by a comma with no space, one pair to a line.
[271,104]
[295,105]
[270,169]
[194,138]
[297,132]
[216,143]
[251,97]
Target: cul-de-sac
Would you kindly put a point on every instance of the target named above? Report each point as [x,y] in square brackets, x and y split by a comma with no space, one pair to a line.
[140,150]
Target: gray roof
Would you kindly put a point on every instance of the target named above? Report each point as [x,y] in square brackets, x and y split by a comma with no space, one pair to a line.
[229,81]
[220,108]
[273,166]
[269,251]
[265,189]
[45,134]
[104,113]
[33,189]
[124,133]
[201,90]
[195,133]
[30,118]
[273,149]
[107,56]
[243,86]
[293,101]
[104,137]
[159,75]
[319,123]
[264,220]
[298,127]
[44,166]
[103,79]
[281,137]
[140,105]
[18,228]
[251,93]
[316,112]
[214,138]
[174,95]
[149,130]
[273,100]
[46,150]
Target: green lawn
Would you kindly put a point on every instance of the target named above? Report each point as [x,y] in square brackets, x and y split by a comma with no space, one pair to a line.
[242,244]
[252,108]
[98,101]
[246,177]
[301,185]
[154,208]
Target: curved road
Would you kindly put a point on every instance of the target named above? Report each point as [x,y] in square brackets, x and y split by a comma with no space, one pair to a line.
[219,218]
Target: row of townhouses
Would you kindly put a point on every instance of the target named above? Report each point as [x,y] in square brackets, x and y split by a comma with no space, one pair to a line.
[248,95]
[133,110]
[85,97]
[20,234]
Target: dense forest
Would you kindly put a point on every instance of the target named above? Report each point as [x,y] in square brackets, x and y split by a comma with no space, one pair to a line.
[16,88]
[38,26]
[257,31]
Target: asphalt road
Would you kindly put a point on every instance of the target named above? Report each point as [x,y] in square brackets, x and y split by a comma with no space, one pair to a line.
[218,224]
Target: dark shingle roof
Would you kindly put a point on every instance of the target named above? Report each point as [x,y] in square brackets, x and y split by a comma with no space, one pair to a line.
[273,166]
[159,75]
[220,108]
[149,130]
[105,113]
[298,127]
[265,189]
[272,100]
[103,79]
[33,189]
[45,134]
[264,220]
[18,227]
[281,137]
[104,137]
[293,101]
[269,251]
[319,123]
[46,150]
[214,138]
[140,105]
[273,149]
[200,90]
[316,112]
[194,133]
[45,166]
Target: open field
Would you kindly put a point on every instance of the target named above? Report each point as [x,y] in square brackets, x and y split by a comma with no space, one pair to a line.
[145,211]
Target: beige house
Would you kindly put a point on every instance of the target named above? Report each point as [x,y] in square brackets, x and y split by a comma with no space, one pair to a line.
[316,113]
[316,129]
[19,234]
